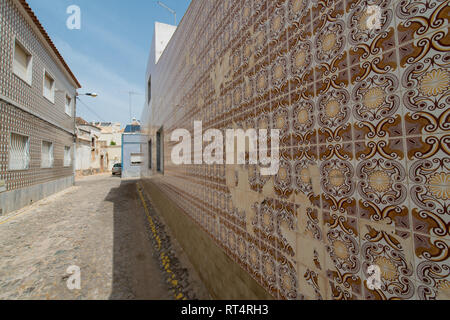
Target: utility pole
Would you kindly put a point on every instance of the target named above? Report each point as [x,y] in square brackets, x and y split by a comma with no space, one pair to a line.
[169,9]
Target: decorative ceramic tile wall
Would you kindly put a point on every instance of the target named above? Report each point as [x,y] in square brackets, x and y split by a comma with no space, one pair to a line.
[365,141]
[13,120]
[13,25]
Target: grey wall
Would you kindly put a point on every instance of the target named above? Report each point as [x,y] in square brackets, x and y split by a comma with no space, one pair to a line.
[17,199]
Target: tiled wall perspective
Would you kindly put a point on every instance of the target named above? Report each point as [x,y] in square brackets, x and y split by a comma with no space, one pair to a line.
[364,116]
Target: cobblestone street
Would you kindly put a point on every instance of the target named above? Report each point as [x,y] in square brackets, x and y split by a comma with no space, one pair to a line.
[99,225]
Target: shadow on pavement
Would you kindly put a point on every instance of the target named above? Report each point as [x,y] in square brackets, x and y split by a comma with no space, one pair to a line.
[136,272]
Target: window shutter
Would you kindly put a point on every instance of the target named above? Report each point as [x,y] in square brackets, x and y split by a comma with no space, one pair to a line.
[67,157]
[21,60]
[47,155]
[49,87]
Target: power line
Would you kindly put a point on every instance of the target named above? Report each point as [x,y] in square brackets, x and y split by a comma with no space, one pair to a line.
[169,9]
[92,111]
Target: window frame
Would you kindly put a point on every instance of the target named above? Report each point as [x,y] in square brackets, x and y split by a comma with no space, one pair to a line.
[136,164]
[160,151]
[150,154]
[28,152]
[70,113]
[29,80]
[70,157]
[149,90]
[52,154]
[46,72]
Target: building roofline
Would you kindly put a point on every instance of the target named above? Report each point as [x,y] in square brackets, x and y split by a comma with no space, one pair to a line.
[80,122]
[49,41]
[89,125]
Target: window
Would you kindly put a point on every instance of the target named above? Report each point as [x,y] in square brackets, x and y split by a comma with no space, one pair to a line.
[23,63]
[150,154]
[47,154]
[49,87]
[160,151]
[19,152]
[67,156]
[68,105]
[149,90]
[136,159]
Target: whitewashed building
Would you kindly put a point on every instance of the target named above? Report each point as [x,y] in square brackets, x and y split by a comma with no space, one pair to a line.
[111,141]
[90,157]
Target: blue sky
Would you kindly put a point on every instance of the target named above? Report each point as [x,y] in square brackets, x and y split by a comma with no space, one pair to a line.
[109,54]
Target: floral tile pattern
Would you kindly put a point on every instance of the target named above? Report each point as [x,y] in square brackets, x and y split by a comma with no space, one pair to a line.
[359,90]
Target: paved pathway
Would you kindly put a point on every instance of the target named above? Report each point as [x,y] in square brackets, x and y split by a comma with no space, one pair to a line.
[99,225]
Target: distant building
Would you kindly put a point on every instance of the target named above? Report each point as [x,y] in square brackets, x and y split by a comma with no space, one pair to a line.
[91,157]
[37,108]
[111,141]
[132,148]
[133,128]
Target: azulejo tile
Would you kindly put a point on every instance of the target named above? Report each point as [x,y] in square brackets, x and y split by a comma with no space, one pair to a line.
[364,145]
[300,59]
[304,164]
[279,84]
[337,177]
[338,186]
[299,15]
[432,267]
[330,41]
[425,85]
[343,251]
[342,290]
[288,282]
[303,119]
[429,178]
[254,259]
[366,38]
[419,18]
[331,9]
[277,12]
[333,110]
[390,250]
[376,98]
[269,267]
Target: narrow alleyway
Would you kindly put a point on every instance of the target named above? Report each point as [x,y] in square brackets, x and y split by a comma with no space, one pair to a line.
[100,226]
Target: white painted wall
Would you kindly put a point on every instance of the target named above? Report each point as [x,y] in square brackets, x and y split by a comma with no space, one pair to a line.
[83,158]
[114,155]
[111,133]
[161,37]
